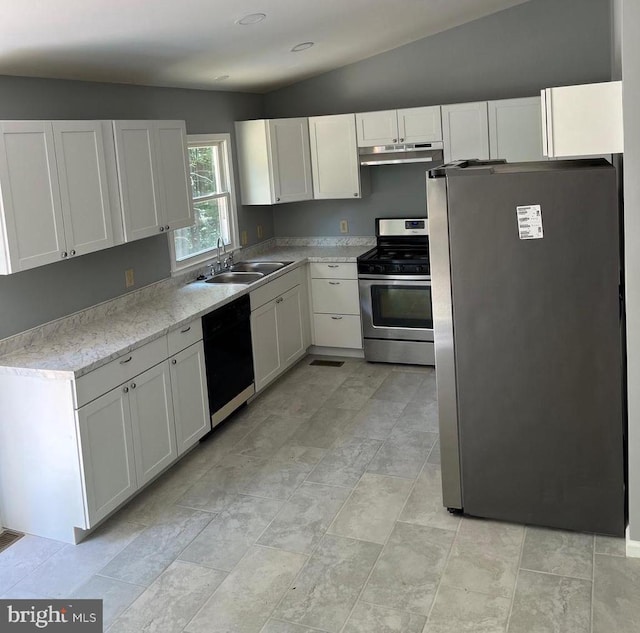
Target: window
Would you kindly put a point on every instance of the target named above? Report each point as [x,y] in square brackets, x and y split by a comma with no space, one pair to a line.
[214,205]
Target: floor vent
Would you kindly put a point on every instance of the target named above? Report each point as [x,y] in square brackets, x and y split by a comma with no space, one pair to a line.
[327,363]
[8,538]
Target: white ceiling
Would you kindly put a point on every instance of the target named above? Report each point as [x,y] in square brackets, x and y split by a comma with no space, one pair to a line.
[189,43]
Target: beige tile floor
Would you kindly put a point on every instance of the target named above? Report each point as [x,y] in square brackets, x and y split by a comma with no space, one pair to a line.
[317,509]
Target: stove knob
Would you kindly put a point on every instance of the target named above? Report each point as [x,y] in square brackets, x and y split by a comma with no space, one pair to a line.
[380,268]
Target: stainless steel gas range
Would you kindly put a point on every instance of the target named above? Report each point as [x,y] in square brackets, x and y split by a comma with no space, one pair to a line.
[394,279]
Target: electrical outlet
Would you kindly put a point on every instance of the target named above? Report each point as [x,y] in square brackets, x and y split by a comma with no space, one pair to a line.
[344,226]
[129,279]
[243,238]
[259,231]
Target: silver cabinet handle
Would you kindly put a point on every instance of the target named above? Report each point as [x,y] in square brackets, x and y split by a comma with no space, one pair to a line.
[72,253]
[185,330]
[174,361]
[402,140]
[64,254]
[166,228]
[355,195]
[133,385]
[336,318]
[395,140]
[162,228]
[125,389]
[334,283]
[279,300]
[333,265]
[123,362]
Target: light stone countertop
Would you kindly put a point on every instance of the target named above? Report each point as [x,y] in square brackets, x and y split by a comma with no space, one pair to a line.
[80,343]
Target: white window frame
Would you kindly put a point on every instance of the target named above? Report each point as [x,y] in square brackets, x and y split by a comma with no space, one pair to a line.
[195,140]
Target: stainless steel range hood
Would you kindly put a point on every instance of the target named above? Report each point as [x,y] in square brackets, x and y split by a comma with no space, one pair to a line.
[404,153]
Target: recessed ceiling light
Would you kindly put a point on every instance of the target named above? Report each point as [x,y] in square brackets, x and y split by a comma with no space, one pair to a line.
[252,18]
[303,46]
[221,78]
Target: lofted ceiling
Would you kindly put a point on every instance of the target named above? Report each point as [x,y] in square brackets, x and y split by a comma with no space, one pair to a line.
[200,44]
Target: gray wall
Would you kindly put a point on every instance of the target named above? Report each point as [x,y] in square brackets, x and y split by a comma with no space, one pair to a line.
[631,105]
[43,294]
[513,53]
[388,190]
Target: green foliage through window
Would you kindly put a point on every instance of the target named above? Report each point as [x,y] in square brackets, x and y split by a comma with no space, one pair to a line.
[211,201]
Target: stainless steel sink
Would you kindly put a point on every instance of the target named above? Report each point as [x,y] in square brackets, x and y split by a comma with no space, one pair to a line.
[259,267]
[235,278]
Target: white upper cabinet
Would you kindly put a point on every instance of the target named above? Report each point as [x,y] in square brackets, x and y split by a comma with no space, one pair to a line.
[465,131]
[582,120]
[515,130]
[173,166]
[274,160]
[152,172]
[54,192]
[410,125]
[420,125]
[334,157]
[84,190]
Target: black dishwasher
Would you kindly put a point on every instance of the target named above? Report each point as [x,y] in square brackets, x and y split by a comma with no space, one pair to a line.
[228,357]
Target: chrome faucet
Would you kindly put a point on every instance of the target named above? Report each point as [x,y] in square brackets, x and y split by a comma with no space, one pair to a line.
[219,265]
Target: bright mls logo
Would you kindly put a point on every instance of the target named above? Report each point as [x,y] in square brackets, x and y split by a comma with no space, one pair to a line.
[81,616]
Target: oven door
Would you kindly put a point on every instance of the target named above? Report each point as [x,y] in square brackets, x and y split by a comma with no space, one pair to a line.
[396,307]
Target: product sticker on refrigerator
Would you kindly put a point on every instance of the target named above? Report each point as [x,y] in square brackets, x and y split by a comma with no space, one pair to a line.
[529,222]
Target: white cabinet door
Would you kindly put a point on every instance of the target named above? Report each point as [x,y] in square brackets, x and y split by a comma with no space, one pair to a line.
[31,209]
[264,338]
[138,175]
[190,400]
[465,131]
[84,189]
[377,128]
[334,157]
[289,326]
[106,449]
[583,120]
[419,125]
[290,159]
[152,421]
[173,170]
[515,129]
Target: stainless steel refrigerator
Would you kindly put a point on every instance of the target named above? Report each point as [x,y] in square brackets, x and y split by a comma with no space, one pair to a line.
[526,278]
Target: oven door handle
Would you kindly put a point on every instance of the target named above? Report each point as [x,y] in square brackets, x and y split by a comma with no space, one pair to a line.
[396,277]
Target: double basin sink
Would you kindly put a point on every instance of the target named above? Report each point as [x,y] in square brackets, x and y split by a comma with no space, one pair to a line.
[246,272]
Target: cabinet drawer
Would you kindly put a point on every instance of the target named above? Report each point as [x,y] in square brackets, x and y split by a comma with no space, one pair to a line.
[337,330]
[275,288]
[185,335]
[335,295]
[334,270]
[114,373]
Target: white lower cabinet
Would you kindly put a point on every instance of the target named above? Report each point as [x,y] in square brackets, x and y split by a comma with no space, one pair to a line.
[266,348]
[152,422]
[189,391]
[127,436]
[277,327]
[92,442]
[336,306]
[106,451]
